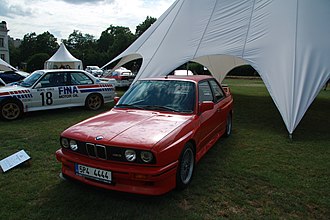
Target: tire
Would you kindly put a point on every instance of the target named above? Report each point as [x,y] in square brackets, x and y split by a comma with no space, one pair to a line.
[229,125]
[186,167]
[11,110]
[94,101]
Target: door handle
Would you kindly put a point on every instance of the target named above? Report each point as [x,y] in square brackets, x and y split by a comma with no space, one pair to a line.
[219,110]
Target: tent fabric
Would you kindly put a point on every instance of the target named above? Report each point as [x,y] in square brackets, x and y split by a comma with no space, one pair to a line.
[63,57]
[287,42]
[4,66]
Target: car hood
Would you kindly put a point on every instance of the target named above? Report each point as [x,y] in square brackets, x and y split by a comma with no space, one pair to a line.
[12,88]
[127,128]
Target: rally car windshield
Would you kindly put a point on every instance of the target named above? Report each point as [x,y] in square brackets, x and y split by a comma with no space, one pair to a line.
[29,81]
[162,95]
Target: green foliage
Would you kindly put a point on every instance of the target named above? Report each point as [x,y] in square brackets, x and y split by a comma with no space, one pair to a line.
[46,43]
[36,61]
[14,55]
[141,28]
[28,46]
[257,173]
[114,40]
[84,47]
[79,41]
[33,44]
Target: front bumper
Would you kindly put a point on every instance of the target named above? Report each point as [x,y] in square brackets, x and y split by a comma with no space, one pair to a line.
[125,178]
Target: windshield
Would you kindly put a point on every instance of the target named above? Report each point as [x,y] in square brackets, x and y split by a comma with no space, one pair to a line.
[164,95]
[30,80]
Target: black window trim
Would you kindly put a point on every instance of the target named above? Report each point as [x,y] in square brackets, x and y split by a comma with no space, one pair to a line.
[214,98]
[206,80]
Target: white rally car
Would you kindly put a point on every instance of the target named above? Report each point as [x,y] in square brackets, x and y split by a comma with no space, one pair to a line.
[50,89]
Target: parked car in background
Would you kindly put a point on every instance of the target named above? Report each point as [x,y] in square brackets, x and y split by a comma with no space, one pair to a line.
[151,140]
[94,70]
[13,76]
[183,73]
[50,89]
[124,77]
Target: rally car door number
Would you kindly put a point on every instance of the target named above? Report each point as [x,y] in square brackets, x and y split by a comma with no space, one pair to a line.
[46,98]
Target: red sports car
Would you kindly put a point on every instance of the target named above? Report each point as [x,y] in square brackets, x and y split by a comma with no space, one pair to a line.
[151,140]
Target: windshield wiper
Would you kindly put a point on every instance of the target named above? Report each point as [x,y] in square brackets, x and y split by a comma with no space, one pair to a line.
[159,107]
[129,106]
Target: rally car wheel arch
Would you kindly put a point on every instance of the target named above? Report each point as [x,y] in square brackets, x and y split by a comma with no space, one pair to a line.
[94,101]
[11,109]
[186,166]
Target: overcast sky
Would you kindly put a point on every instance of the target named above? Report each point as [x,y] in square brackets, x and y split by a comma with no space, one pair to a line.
[61,17]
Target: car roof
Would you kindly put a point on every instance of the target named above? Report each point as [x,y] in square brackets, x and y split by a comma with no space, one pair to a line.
[194,78]
[61,70]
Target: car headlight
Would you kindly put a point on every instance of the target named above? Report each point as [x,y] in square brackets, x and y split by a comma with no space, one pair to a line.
[65,142]
[146,156]
[130,155]
[73,145]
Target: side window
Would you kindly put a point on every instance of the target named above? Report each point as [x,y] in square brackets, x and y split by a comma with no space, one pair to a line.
[54,80]
[205,92]
[218,93]
[78,78]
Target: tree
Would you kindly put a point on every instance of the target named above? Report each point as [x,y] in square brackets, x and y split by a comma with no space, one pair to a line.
[28,46]
[82,46]
[141,28]
[33,44]
[14,54]
[36,62]
[114,40]
[79,41]
[46,43]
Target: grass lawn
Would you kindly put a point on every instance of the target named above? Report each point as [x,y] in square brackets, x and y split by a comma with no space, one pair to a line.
[256,173]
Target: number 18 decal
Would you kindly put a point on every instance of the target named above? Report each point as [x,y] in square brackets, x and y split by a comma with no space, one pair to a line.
[46,98]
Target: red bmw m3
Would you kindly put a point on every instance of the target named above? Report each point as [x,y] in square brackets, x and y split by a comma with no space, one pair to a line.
[150,142]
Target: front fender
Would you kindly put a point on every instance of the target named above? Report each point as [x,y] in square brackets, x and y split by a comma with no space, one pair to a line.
[169,149]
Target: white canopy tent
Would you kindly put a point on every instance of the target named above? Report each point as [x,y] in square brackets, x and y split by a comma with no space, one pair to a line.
[287,42]
[4,66]
[63,58]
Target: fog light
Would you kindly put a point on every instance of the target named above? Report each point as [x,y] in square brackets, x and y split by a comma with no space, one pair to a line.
[73,145]
[130,155]
[65,142]
[146,156]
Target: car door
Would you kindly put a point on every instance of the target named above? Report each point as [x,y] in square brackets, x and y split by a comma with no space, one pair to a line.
[82,86]
[220,114]
[51,91]
[210,121]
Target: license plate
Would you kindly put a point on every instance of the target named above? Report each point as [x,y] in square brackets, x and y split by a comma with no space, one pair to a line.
[93,173]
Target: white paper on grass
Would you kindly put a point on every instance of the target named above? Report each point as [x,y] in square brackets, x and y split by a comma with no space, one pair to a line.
[14,160]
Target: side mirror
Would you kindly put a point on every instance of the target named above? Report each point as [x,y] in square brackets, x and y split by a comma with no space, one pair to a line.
[116,99]
[38,86]
[205,106]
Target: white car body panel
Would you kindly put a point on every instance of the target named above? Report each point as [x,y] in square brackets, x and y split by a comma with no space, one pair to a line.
[37,97]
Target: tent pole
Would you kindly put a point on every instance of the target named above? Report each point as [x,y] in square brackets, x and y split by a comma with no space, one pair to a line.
[291,136]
